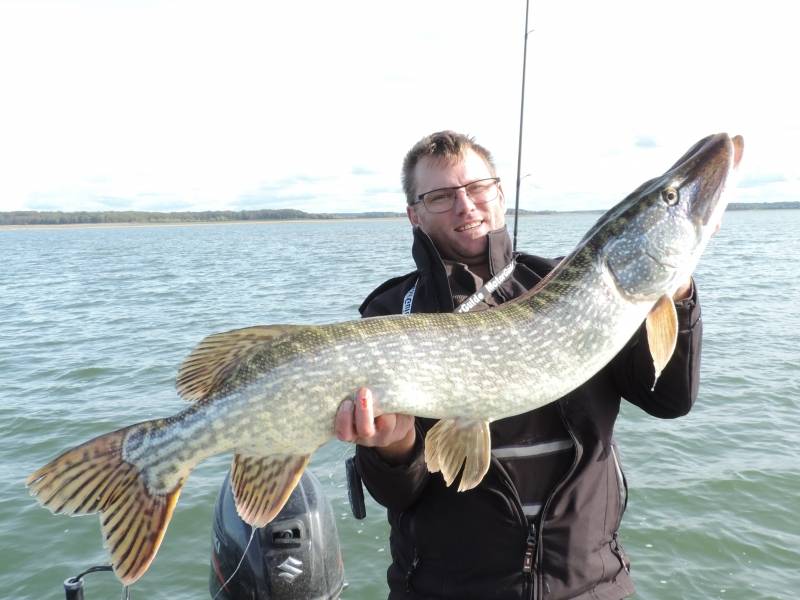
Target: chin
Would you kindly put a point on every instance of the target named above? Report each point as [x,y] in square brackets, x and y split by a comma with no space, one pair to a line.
[474,252]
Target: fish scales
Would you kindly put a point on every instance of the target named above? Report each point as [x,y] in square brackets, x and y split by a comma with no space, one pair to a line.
[270,394]
[430,369]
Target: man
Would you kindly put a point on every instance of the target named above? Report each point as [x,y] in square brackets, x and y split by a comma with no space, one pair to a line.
[544,521]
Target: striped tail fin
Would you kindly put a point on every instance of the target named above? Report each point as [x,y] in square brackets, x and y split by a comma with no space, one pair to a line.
[94,477]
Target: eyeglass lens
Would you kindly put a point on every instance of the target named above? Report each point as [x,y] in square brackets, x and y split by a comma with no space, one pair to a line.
[482,191]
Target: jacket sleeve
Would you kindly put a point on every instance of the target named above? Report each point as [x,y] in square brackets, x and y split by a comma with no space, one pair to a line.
[387,298]
[676,389]
[394,486]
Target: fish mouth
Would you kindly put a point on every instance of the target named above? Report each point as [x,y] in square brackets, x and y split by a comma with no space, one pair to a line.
[469,226]
[713,216]
[705,170]
[738,149]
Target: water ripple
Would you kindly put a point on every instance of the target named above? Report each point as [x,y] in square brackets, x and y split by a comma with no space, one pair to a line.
[97,321]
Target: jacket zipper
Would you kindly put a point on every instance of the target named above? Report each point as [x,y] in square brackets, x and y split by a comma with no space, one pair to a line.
[538,580]
[532,558]
[529,561]
[411,569]
[616,548]
[529,556]
[622,486]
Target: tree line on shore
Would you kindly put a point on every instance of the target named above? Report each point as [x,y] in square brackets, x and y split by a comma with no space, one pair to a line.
[31,217]
[34,217]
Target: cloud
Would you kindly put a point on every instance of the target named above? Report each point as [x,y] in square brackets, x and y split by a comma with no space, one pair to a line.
[645,141]
[759,180]
[299,191]
[250,202]
[384,189]
[65,200]
[361,170]
[284,109]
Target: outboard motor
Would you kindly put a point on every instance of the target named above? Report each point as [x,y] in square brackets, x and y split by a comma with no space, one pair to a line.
[295,557]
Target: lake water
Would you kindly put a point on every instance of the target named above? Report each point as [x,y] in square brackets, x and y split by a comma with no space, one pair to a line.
[96,321]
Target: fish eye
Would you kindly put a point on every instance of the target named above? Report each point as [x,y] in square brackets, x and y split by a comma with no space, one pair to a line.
[670,196]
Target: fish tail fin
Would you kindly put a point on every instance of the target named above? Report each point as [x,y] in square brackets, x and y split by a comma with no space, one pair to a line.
[94,477]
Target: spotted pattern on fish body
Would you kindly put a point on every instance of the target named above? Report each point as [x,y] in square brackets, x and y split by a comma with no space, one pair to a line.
[269,394]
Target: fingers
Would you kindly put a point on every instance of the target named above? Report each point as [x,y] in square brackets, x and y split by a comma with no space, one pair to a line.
[683,291]
[358,420]
[355,419]
[364,414]
[384,424]
[343,423]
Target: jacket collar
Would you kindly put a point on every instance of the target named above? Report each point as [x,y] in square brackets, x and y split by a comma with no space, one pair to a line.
[427,257]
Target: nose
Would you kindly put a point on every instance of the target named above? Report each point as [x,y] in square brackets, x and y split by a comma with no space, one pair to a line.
[463,203]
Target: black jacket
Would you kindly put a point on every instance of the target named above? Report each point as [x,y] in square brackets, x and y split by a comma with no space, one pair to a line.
[478,544]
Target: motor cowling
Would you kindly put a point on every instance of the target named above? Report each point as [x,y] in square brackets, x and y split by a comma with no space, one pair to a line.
[297,556]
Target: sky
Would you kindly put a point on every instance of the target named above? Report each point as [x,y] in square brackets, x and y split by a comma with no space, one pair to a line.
[192,105]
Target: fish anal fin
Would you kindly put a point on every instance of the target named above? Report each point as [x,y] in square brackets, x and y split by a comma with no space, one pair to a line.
[218,356]
[453,443]
[262,484]
[94,477]
[662,333]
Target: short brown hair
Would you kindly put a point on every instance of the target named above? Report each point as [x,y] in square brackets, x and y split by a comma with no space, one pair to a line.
[445,145]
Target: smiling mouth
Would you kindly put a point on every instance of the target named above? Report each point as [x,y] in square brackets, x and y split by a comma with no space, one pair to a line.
[468,226]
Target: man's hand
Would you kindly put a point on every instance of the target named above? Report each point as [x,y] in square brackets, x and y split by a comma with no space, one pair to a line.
[684,291]
[392,435]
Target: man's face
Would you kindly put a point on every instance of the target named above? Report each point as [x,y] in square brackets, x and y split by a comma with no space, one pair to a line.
[460,233]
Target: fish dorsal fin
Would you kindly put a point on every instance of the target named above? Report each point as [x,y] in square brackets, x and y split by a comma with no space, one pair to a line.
[455,443]
[662,333]
[218,356]
[262,484]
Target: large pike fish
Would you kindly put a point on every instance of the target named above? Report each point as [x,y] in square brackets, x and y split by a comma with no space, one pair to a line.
[269,394]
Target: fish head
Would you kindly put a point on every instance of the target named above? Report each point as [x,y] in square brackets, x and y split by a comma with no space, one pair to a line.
[655,236]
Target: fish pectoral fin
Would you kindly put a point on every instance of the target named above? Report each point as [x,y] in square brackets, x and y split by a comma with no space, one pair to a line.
[453,443]
[262,484]
[218,356]
[94,477]
[662,333]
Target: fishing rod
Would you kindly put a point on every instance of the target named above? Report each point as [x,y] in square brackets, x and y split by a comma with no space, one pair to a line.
[521,115]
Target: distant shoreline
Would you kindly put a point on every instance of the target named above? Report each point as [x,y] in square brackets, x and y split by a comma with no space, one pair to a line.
[189,223]
[112,219]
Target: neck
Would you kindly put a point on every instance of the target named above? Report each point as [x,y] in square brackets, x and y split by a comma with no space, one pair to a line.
[481,270]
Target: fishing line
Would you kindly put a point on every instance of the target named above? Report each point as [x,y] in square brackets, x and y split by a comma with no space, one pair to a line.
[241,560]
[521,114]
[491,285]
[465,306]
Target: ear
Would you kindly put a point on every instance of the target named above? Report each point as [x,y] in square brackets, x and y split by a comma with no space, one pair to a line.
[411,211]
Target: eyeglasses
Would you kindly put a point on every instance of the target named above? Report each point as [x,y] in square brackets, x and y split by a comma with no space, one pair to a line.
[443,199]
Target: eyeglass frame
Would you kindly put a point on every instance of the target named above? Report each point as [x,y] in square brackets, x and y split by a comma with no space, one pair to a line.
[421,197]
